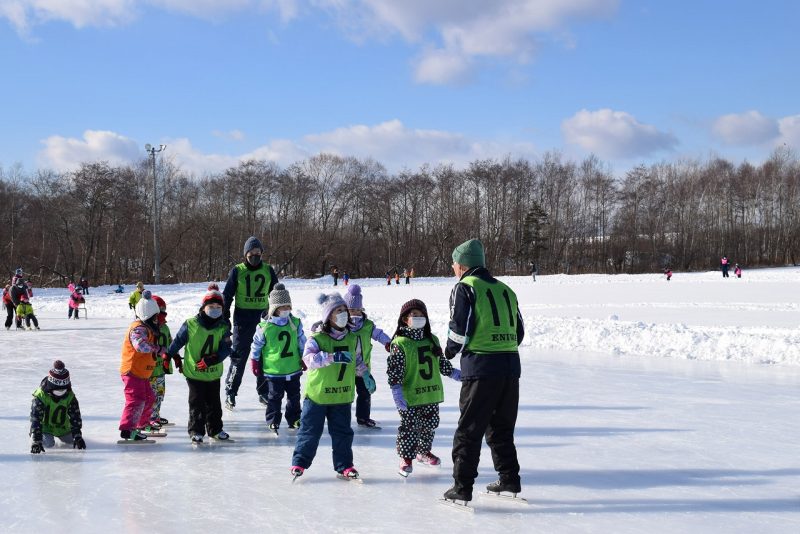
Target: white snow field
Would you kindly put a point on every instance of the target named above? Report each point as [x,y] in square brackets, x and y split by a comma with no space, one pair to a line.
[646,406]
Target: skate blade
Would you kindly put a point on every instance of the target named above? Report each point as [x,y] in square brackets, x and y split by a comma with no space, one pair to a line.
[462,506]
[505,497]
[135,441]
[357,480]
[403,474]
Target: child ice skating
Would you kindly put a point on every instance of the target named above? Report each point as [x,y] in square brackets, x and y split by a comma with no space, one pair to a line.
[55,412]
[333,362]
[668,274]
[415,368]
[366,331]
[206,342]
[25,312]
[140,354]
[737,271]
[75,301]
[275,354]
[158,382]
[135,295]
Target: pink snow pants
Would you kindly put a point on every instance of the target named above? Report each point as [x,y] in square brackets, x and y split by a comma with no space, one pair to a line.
[138,396]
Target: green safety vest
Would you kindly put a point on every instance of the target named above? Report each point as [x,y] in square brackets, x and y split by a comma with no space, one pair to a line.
[56,419]
[202,342]
[336,383]
[252,287]
[281,353]
[495,317]
[165,340]
[422,382]
[365,335]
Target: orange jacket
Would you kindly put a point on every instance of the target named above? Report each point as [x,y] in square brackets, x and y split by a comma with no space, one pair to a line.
[138,364]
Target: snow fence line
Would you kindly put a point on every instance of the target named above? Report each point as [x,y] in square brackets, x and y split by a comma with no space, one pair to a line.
[748,345]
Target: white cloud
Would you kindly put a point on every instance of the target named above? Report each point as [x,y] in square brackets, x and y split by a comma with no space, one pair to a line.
[390,143]
[743,129]
[64,154]
[790,132]
[465,29]
[615,134]
[23,14]
[230,135]
[453,34]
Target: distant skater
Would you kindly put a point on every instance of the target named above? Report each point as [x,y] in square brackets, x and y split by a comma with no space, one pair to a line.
[737,271]
[723,263]
[668,274]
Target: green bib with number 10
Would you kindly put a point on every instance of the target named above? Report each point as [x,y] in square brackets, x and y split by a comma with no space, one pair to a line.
[422,383]
[495,317]
[56,417]
[202,342]
[336,383]
[252,287]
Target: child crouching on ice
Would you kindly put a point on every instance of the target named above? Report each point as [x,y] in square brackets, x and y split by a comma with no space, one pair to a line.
[366,331]
[206,341]
[414,368]
[55,412]
[332,360]
[275,355]
[25,311]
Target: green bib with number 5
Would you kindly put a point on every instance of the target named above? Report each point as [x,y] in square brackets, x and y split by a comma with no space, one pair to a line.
[422,383]
[336,383]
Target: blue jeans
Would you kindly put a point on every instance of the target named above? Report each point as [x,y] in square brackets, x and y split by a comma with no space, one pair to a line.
[276,388]
[312,422]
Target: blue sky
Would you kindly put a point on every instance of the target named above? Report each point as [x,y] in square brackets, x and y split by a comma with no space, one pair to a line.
[404,82]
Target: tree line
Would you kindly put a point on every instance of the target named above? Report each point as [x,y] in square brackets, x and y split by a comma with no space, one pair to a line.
[564,216]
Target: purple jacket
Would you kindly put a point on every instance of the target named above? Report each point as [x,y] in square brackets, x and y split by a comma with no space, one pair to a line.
[315,358]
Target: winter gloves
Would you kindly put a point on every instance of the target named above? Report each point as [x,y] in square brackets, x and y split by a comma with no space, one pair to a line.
[206,361]
[255,365]
[342,356]
[37,447]
[79,443]
[178,363]
[456,374]
[397,396]
[388,346]
[369,382]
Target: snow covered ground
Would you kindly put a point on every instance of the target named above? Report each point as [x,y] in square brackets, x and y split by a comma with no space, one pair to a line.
[645,406]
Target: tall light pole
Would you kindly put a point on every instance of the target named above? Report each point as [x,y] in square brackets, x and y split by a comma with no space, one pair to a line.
[156,242]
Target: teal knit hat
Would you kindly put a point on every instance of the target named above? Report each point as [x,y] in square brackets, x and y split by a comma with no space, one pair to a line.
[470,254]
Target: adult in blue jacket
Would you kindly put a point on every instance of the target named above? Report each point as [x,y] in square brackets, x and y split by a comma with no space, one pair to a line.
[247,289]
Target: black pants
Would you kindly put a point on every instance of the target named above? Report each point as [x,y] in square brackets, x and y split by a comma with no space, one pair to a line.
[10,316]
[205,408]
[243,331]
[488,407]
[276,387]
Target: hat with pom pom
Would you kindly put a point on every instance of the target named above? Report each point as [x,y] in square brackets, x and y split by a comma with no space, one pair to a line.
[213,296]
[58,376]
[146,307]
[353,297]
[278,297]
[328,303]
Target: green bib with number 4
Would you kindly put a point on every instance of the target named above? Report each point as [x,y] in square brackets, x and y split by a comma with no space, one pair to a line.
[202,342]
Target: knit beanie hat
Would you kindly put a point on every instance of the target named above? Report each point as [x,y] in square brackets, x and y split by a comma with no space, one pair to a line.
[353,297]
[139,286]
[470,254]
[251,243]
[413,304]
[328,303]
[213,296]
[146,307]
[278,297]
[58,376]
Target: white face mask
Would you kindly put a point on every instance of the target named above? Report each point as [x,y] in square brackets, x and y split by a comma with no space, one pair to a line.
[340,319]
[283,314]
[418,322]
[59,392]
[214,313]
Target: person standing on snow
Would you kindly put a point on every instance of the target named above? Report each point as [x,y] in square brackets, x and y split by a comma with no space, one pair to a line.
[723,263]
[249,285]
[486,328]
